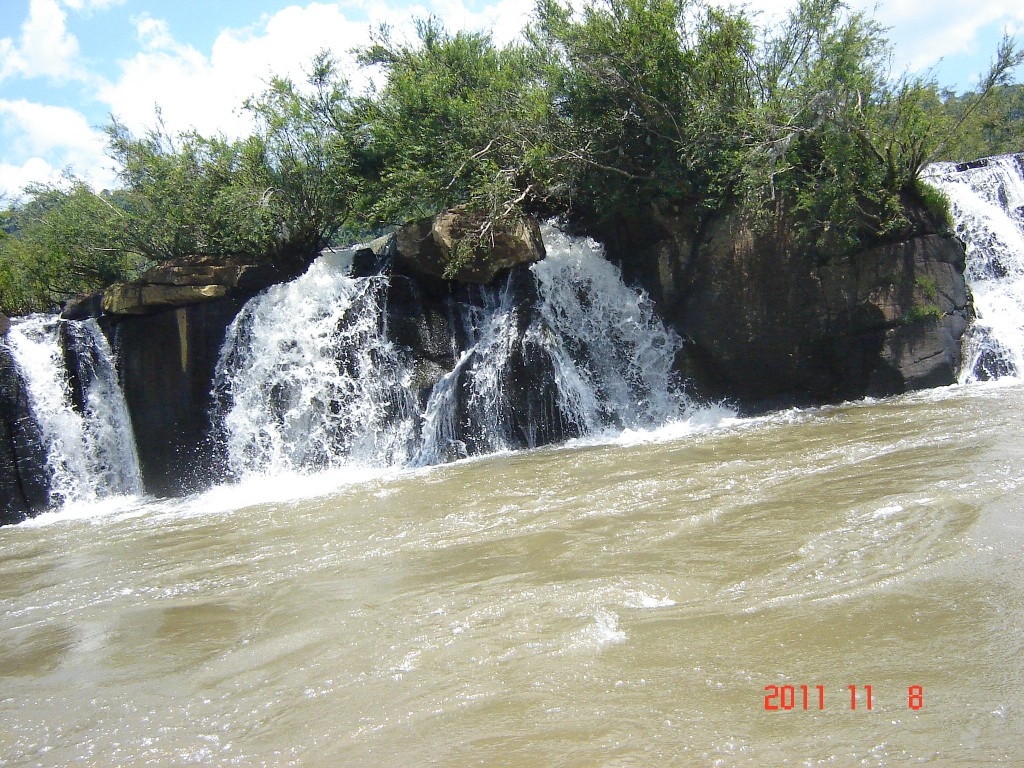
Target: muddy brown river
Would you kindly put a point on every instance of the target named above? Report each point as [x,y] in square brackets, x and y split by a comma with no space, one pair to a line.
[836,587]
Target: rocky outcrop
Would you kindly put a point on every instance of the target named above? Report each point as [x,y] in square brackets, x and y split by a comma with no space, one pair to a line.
[767,322]
[24,485]
[190,280]
[167,329]
[445,246]
[907,299]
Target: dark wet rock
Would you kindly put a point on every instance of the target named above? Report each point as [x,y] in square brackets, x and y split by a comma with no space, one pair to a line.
[24,479]
[766,321]
[167,362]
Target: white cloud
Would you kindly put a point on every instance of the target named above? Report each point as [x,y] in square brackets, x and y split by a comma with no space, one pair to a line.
[92,5]
[205,91]
[14,178]
[45,48]
[924,33]
[50,139]
[504,19]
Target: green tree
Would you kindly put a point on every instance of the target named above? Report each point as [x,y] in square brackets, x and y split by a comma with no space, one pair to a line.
[993,127]
[822,92]
[64,242]
[653,100]
[299,163]
[185,194]
[458,121]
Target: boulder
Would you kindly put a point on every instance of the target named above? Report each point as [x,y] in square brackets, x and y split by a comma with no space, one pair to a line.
[418,313]
[370,258]
[83,307]
[752,314]
[5,324]
[167,328]
[178,283]
[239,272]
[445,246]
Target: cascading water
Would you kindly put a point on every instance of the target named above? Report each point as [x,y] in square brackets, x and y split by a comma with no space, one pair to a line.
[613,357]
[476,385]
[579,354]
[306,377]
[987,203]
[76,400]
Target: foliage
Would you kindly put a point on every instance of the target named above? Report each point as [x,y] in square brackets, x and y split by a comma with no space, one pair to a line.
[935,201]
[653,101]
[58,246]
[920,313]
[822,94]
[185,194]
[928,287]
[674,102]
[298,164]
[922,130]
[993,127]
[458,121]
[604,109]
[282,192]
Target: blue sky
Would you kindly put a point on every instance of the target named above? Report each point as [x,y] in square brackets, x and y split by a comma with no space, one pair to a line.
[67,65]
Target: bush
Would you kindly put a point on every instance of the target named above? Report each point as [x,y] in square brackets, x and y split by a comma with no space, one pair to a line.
[458,121]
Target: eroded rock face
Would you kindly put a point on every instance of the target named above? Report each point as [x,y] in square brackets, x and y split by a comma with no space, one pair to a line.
[167,362]
[911,298]
[182,282]
[439,246]
[134,299]
[767,322]
[167,328]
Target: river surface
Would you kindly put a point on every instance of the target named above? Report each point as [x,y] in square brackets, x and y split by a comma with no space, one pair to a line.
[625,604]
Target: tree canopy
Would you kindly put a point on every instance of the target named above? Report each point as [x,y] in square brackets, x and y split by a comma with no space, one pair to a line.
[595,112]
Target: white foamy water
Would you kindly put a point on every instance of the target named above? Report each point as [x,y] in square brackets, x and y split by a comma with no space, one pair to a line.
[90,450]
[310,379]
[612,355]
[988,210]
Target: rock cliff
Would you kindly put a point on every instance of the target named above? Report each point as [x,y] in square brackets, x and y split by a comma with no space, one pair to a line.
[767,322]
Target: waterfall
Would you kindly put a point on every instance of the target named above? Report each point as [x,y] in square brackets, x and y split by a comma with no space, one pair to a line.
[613,357]
[77,401]
[477,385]
[308,378]
[987,202]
